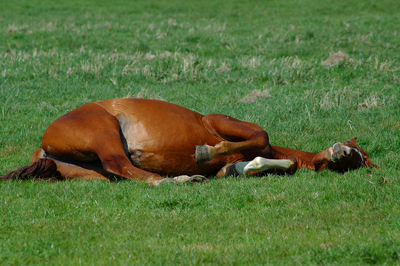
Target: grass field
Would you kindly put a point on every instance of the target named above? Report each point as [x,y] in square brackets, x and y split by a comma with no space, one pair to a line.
[211,57]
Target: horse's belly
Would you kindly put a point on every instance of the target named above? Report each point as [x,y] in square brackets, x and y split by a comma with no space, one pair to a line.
[167,152]
[161,137]
[169,163]
[143,140]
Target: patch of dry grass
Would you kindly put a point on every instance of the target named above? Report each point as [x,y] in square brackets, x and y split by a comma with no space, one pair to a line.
[335,58]
[255,95]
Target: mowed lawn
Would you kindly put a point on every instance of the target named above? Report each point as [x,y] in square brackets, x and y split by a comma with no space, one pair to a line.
[261,61]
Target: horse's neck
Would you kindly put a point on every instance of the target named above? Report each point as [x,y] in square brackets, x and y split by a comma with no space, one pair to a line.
[304,159]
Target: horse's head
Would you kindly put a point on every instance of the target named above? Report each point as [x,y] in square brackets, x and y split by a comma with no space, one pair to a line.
[343,156]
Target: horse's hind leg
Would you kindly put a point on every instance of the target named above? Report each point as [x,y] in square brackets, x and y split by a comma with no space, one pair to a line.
[260,164]
[90,133]
[238,135]
[69,170]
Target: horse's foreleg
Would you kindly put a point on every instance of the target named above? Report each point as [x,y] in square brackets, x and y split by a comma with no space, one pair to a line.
[260,164]
[304,159]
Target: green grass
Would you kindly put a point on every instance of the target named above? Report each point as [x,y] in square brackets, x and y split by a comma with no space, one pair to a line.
[58,55]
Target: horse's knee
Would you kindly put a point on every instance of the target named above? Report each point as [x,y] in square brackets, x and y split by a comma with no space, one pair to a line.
[263,139]
[223,148]
[116,164]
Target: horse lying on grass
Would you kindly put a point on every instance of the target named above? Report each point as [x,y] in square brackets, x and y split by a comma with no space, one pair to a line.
[141,139]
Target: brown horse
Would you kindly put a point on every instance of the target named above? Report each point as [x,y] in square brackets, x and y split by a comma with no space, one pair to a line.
[143,139]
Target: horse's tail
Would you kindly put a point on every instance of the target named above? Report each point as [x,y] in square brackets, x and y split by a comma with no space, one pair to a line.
[43,168]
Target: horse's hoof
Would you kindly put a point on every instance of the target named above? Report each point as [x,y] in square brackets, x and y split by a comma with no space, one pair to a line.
[166,181]
[202,154]
[230,170]
[198,179]
[293,168]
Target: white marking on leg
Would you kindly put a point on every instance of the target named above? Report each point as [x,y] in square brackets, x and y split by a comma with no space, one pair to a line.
[260,164]
[163,181]
[182,178]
